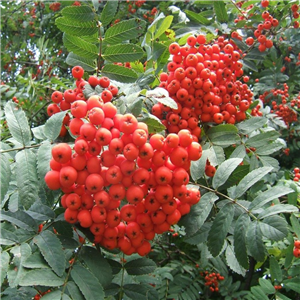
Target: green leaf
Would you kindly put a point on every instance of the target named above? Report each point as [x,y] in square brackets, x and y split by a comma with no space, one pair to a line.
[38,132]
[295,225]
[136,291]
[124,30]
[35,261]
[119,73]
[41,212]
[136,107]
[78,14]
[43,277]
[199,213]
[255,242]
[17,123]
[112,289]
[87,64]
[87,283]
[7,237]
[163,26]
[76,28]
[280,296]
[262,139]
[223,135]
[259,293]
[224,171]
[251,124]
[154,124]
[52,251]
[277,209]
[239,241]
[219,229]
[233,263]
[140,266]
[19,218]
[97,264]
[274,228]
[238,152]
[198,167]
[250,64]
[27,180]
[53,125]
[269,195]
[220,11]
[108,12]
[5,175]
[200,236]
[293,286]
[161,95]
[197,17]
[269,148]
[275,270]
[74,291]
[16,271]
[56,295]
[4,259]
[266,286]
[43,159]
[250,179]
[80,47]
[123,53]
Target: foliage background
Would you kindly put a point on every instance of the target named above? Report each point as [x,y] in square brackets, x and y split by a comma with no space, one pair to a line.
[247,220]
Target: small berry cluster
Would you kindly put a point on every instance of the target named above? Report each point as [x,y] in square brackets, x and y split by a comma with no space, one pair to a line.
[296,251]
[114,159]
[295,12]
[55,6]
[212,280]
[278,287]
[202,79]
[40,295]
[296,174]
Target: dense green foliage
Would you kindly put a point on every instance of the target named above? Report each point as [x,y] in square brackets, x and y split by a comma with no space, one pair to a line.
[247,220]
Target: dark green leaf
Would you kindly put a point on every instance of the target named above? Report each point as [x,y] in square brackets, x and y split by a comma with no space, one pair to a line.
[198,167]
[43,277]
[119,73]
[220,11]
[53,125]
[232,261]
[56,295]
[250,65]
[266,286]
[200,236]
[112,289]
[269,195]
[80,47]
[224,171]
[43,159]
[76,28]
[219,229]
[97,264]
[5,175]
[239,241]
[123,53]
[124,30]
[136,107]
[282,297]
[274,228]
[35,261]
[136,291]
[140,266]
[259,293]
[295,225]
[275,270]
[8,237]
[17,123]
[255,242]
[293,286]
[87,283]
[19,218]
[223,135]
[250,179]
[41,212]
[4,259]
[27,180]
[51,249]
[78,14]
[87,64]
[251,124]
[277,209]
[74,291]
[108,12]
[197,17]
[163,26]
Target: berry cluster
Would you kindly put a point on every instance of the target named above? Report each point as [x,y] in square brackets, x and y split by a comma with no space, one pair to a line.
[114,159]
[295,12]
[40,295]
[212,280]
[202,79]
[296,251]
[296,174]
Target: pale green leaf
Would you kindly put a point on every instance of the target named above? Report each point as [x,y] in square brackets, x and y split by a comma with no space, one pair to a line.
[53,125]
[239,242]
[17,123]
[269,148]
[295,224]
[135,108]
[197,17]
[78,14]
[262,139]
[43,160]
[124,30]
[280,296]
[219,229]
[274,228]
[163,26]
[35,261]
[232,261]
[4,259]
[41,212]
[123,53]
[97,264]
[8,237]
[269,195]
[251,124]
[52,250]
[161,95]
[38,132]
[27,180]
[250,179]
[140,266]
[87,64]
[74,291]
[153,123]
[119,73]
[275,270]
[220,11]
[255,243]
[224,171]
[80,47]
[87,283]
[277,209]
[43,277]
[198,167]
[223,135]
[19,218]
[108,12]
[5,175]
[56,295]
[238,152]
[76,28]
